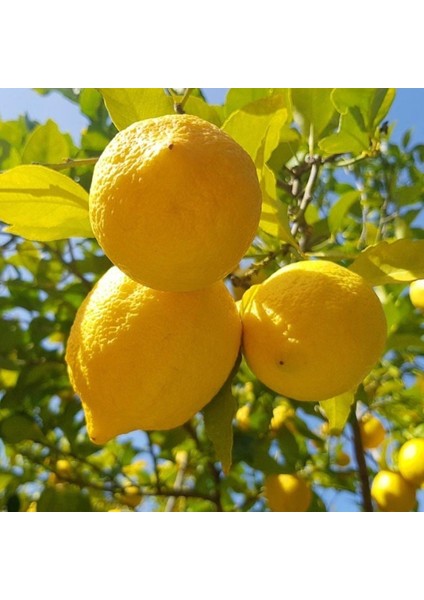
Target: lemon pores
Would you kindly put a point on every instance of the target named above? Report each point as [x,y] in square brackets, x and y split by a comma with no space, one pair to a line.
[411,461]
[287,493]
[392,492]
[312,330]
[145,359]
[175,202]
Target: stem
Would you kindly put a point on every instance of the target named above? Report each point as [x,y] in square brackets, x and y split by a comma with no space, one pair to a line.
[69,163]
[362,465]
[170,505]
[307,196]
[179,106]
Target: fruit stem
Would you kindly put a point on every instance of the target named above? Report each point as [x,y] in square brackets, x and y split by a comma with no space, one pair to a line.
[362,465]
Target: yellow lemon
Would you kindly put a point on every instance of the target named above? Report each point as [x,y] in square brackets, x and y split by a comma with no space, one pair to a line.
[243,417]
[64,468]
[287,493]
[416,293]
[312,330]
[371,430]
[175,202]
[282,415]
[342,459]
[145,359]
[411,461]
[392,492]
[131,496]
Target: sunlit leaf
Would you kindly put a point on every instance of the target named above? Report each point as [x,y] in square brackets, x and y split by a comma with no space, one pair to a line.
[238,97]
[399,261]
[337,411]
[340,208]
[128,105]
[198,107]
[46,144]
[373,104]
[314,108]
[350,138]
[42,204]
[218,415]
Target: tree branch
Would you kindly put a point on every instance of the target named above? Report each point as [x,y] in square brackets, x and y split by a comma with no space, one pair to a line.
[69,163]
[362,465]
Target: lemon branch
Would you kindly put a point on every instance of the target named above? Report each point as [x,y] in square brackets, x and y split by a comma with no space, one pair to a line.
[362,465]
[69,163]
[179,105]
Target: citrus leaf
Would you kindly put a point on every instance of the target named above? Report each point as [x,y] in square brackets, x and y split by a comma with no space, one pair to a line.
[129,105]
[251,124]
[315,109]
[46,144]
[63,500]
[5,479]
[218,415]
[238,97]
[199,108]
[18,428]
[337,411]
[340,208]
[42,204]
[373,104]
[350,138]
[398,261]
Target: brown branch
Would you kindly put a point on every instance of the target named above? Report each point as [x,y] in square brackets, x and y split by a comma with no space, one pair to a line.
[362,465]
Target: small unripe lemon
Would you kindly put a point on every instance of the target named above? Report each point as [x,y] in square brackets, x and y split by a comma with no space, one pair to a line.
[392,492]
[416,293]
[287,493]
[372,431]
[64,468]
[342,459]
[411,461]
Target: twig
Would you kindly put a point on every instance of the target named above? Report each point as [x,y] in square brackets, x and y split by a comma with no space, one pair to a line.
[362,465]
[307,196]
[69,163]
[183,462]
[179,106]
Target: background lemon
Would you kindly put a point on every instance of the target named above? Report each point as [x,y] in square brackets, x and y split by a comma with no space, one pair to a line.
[175,202]
[371,430]
[392,492]
[416,293]
[312,330]
[411,461]
[287,493]
[145,359]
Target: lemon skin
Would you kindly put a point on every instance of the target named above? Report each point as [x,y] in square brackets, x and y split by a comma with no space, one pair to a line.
[392,493]
[411,461]
[287,493]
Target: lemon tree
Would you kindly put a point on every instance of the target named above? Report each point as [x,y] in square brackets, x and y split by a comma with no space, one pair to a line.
[131,379]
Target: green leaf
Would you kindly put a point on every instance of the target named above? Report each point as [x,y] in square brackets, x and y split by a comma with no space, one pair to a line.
[5,479]
[18,428]
[250,125]
[315,109]
[128,105]
[66,499]
[340,208]
[399,261]
[42,204]
[46,144]
[349,139]
[198,107]
[238,97]
[370,105]
[337,411]
[90,100]
[218,415]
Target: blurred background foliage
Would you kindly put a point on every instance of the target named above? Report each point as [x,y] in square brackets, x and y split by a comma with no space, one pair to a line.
[365,189]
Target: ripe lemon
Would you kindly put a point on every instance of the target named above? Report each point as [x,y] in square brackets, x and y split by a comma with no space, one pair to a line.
[312,330]
[392,492]
[416,293]
[144,359]
[287,493]
[371,430]
[411,461]
[175,202]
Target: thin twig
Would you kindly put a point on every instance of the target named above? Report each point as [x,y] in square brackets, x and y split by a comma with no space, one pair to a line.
[69,163]
[179,106]
[183,462]
[362,465]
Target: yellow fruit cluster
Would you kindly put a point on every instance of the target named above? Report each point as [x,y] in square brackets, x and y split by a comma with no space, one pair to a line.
[175,203]
[396,491]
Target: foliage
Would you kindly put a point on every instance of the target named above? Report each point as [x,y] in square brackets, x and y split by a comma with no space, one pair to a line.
[334,186]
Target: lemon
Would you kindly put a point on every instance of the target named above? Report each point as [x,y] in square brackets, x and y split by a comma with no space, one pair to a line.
[287,493]
[411,461]
[371,430]
[342,459]
[243,418]
[145,359]
[64,468]
[312,330]
[175,202]
[131,496]
[416,293]
[392,492]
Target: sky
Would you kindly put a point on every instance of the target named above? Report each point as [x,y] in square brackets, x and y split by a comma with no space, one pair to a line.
[407,112]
